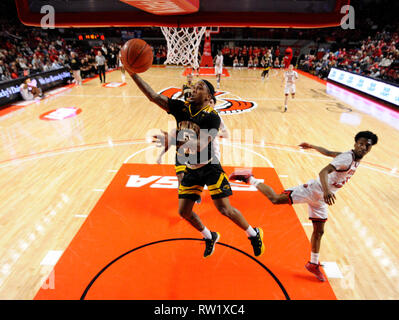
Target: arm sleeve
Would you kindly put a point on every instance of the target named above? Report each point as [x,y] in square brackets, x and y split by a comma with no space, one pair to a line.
[342,162]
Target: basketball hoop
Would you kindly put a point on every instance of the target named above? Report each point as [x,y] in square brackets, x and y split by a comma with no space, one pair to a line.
[183,45]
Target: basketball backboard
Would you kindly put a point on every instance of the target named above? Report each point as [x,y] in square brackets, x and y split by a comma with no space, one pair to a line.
[184,13]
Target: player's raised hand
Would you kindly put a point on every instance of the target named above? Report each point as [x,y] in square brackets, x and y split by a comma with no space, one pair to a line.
[161,140]
[305,145]
[159,159]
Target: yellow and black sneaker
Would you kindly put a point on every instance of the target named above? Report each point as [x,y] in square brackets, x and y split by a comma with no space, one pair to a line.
[257,242]
[210,244]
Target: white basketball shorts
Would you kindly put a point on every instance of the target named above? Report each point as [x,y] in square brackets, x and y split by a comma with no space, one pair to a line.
[289,88]
[218,70]
[312,194]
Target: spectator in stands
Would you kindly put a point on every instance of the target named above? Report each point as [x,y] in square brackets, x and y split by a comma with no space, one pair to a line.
[47,66]
[386,61]
[5,76]
[85,68]
[375,72]
[2,68]
[276,62]
[242,62]
[56,64]
[250,62]
[37,63]
[236,64]
[158,56]
[63,57]
[277,53]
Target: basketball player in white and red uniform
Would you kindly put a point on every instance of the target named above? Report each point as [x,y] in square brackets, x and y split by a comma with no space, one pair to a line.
[218,67]
[289,80]
[320,192]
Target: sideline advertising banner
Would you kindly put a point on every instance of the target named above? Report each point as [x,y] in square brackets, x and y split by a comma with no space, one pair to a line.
[9,90]
[373,87]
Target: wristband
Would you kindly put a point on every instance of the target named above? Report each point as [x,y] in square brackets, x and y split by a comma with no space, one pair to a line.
[254,181]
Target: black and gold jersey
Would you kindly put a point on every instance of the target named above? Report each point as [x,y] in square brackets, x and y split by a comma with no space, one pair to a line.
[268,65]
[190,124]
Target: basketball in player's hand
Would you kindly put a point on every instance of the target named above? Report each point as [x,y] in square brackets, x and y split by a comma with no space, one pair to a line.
[136,56]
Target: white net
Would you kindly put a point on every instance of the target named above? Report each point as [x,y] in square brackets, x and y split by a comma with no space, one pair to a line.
[183,45]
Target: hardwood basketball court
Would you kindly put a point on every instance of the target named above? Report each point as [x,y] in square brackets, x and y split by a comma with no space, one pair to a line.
[61,203]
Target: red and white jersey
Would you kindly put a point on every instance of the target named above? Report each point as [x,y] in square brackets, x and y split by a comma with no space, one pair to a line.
[219,61]
[345,166]
[290,77]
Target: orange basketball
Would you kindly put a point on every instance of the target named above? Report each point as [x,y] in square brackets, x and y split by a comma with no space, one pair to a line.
[136,55]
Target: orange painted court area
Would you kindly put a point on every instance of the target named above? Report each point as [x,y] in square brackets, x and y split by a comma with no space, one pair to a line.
[134,245]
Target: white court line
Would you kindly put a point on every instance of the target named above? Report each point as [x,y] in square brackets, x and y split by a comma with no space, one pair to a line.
[283,176]
[56,153]
[137,152]
[306,224]
[332,270]
[227,96]
[51,258]
[254,152]
[99,190]
[18,161]
[112,170]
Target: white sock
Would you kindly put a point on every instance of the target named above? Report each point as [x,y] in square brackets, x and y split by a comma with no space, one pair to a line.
[250,232]
[123,78]
[314,258]
[254,181]
[206,233]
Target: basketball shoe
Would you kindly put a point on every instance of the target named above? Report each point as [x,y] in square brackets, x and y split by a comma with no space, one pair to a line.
[257,242]
[210,244]
[315,269]
[241,175]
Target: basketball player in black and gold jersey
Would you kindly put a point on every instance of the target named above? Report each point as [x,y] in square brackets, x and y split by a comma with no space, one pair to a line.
[197,126]
[267,64]
[165,140]
[187,87]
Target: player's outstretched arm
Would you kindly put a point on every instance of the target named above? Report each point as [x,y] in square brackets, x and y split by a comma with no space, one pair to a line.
[328,153]
[159,99]
[164,141]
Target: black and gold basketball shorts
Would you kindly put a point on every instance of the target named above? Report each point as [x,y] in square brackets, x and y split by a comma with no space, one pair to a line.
[211,175]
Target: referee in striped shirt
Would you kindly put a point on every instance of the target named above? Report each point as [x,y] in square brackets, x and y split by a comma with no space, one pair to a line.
[101,62]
